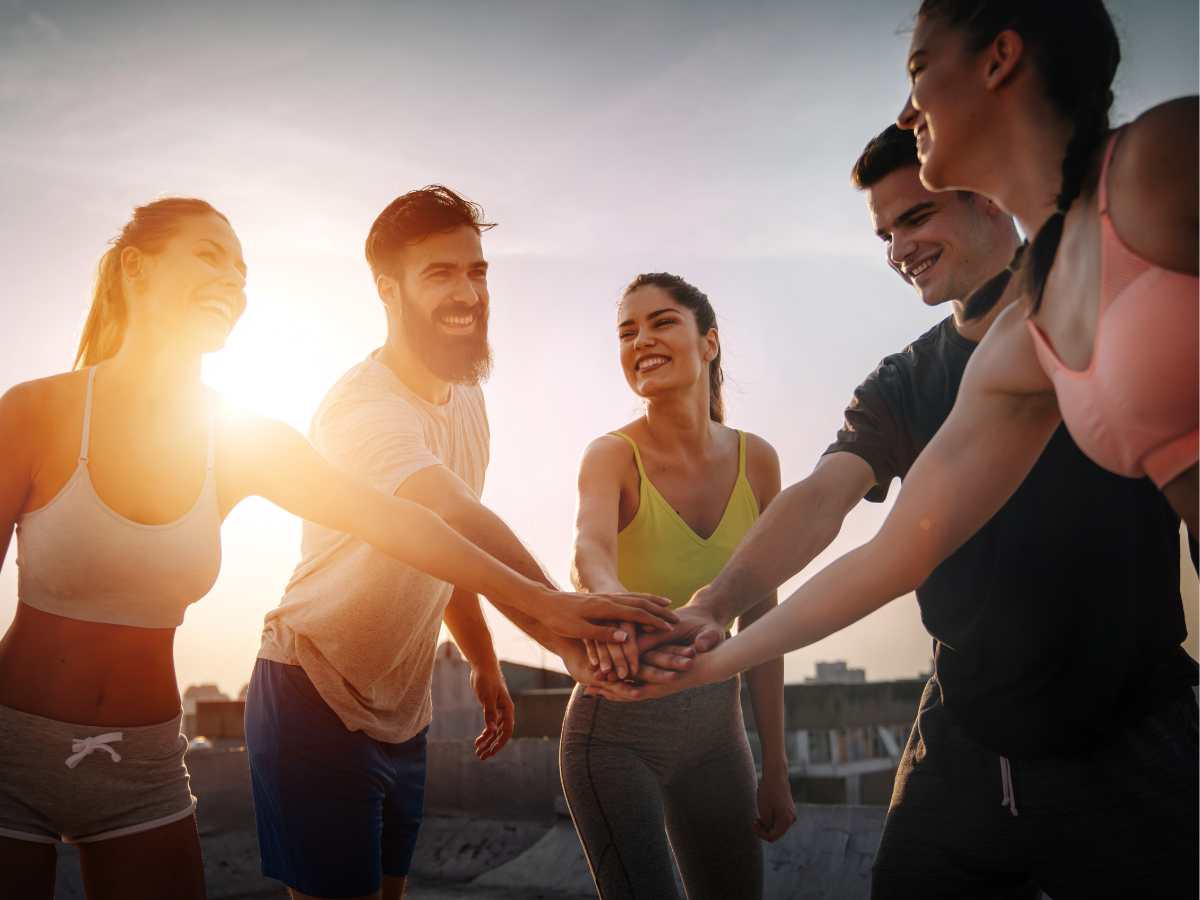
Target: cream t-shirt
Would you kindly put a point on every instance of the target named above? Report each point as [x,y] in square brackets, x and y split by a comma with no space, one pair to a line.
[363,626]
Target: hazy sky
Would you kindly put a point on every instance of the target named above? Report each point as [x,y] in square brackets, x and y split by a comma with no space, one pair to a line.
[606,138]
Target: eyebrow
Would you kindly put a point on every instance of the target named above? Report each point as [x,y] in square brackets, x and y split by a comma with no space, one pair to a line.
[657,312]
[240,265]
[907,216]
[437,266]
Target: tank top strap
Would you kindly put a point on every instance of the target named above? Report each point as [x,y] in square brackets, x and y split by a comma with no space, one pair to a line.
[84,440]
[1102,194]
[637,455]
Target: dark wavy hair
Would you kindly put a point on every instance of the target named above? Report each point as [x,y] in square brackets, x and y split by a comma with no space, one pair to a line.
[690,296]
[414,216]
[892,149]
[1075,49]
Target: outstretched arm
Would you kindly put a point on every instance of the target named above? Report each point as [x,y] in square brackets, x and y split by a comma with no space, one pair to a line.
[979,457]
[273,461]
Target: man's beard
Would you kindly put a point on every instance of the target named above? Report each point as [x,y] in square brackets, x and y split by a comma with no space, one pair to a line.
[459,359]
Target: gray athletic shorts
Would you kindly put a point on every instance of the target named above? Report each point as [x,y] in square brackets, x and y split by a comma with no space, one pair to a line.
[77,783]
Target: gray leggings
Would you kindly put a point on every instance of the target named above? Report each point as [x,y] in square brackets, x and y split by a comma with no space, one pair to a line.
[636,774]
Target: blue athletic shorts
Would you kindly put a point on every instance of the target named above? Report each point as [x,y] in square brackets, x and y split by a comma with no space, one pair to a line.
[336,809]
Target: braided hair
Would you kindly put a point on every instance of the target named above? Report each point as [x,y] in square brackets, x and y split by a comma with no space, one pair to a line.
[1076,51]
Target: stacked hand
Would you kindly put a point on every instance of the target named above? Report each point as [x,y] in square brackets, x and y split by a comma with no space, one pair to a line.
[659,662]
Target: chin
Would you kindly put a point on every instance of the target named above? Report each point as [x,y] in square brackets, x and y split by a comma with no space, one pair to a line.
[932,175]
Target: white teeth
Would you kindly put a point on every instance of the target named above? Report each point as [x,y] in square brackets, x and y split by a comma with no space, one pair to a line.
[219,307]
[651,362]
[458,321]
[920,268]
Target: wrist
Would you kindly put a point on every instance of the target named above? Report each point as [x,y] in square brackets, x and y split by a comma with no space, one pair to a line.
[711,601]
[775,765]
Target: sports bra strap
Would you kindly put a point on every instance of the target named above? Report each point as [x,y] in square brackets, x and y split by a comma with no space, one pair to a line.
[87,416]
[637,456]
[1103,186]
[212,418]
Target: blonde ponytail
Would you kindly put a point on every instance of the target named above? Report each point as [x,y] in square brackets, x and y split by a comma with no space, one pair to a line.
[150,228]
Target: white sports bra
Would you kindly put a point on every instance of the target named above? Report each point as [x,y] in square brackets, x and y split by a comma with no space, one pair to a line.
[79,558]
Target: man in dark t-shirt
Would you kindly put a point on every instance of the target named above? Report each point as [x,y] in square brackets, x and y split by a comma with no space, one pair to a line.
[1055,744]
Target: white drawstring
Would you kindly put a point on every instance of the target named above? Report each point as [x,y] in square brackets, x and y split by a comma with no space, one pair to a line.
[1010,796]
[83,747]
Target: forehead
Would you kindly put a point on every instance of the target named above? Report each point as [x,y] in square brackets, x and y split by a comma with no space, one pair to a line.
[896,193]
[645,300]
[933,35]
[461,246]
[209,226]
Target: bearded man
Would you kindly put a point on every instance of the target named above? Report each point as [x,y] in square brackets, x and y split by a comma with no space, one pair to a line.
[339,702]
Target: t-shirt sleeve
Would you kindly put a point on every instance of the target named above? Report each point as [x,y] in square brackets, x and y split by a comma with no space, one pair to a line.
[379,439]
[871,429]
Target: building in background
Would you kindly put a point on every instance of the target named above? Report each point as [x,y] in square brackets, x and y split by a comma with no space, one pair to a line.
[837,672]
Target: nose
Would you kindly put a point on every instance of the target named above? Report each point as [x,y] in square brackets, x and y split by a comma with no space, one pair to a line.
[899,250]
[643,339]
[907,119]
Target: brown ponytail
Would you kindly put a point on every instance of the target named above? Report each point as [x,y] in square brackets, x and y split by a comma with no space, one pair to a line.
[150,228]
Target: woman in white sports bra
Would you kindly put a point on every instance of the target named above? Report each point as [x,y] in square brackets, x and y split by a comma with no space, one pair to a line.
[117,477]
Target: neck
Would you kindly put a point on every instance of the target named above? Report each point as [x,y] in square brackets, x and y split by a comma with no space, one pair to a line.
[681,422]
[975,329]
[1024,175]
[153,367]
[399,357]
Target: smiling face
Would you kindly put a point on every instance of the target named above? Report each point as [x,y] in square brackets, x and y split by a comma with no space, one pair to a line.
[193,288]
[942,244]
[947,108]
[661,346]
[441,290]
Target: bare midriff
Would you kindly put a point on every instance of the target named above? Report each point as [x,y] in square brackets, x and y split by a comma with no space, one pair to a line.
[87,673]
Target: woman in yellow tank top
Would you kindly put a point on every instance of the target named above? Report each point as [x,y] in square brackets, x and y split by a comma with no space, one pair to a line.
[663,502]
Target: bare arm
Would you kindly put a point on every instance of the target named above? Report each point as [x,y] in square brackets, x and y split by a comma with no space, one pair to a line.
[979,457]
[570,615]
[16,462]
[776,810]
[465,620]
[275,462]
[800,523]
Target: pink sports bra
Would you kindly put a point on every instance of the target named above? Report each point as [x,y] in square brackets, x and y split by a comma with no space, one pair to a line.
[79,558]
[1133,410]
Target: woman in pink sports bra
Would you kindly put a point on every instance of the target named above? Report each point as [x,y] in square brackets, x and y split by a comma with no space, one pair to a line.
[117,477]
[1010,98]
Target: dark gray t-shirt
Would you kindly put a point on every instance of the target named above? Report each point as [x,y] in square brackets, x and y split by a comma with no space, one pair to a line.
[1063,612]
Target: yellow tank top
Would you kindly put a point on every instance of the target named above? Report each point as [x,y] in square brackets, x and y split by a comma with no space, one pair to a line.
[658,553]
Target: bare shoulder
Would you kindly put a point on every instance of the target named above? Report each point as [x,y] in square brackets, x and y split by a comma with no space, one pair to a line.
[606,453]
[760,455]
[1006,361]
[42,401]
[1152,184]
[762,468]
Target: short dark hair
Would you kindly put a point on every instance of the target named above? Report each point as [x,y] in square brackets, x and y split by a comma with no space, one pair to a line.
[414,216]
[891,149]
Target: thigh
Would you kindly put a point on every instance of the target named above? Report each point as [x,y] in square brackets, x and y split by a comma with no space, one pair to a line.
[615,801]
[148,865]
[319,789]
[1128,814]
[710,809]
[404,806]
[946,834]
[29,869]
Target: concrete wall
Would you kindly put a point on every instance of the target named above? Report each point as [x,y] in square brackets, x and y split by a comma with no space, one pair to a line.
[220,719]
[521,782]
